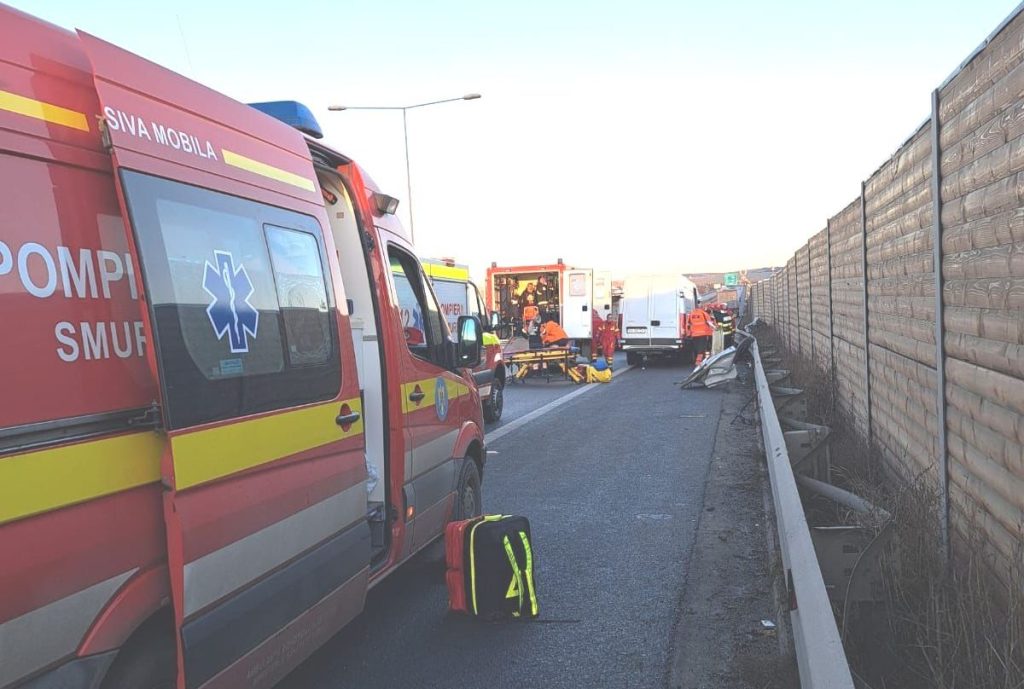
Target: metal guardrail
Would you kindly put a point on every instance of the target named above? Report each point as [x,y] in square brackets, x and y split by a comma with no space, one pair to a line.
[819,648]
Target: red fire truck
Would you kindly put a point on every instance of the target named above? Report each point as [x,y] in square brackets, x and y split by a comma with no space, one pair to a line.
[576,296]
[231,403]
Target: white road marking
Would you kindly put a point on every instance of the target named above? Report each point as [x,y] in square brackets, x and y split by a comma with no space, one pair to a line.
[527,418]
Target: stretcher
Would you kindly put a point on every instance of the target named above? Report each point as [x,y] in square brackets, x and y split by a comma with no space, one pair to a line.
[540,361]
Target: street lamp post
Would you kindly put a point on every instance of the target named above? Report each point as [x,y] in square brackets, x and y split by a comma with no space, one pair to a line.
[405,135]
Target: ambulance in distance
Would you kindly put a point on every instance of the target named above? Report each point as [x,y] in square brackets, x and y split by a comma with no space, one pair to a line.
[459,296]
[230,401]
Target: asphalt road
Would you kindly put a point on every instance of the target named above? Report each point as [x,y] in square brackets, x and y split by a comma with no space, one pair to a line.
[534,392]
[613,483]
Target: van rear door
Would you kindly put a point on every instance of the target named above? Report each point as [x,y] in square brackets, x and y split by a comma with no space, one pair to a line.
[265,500]
[636,310]
[664,310]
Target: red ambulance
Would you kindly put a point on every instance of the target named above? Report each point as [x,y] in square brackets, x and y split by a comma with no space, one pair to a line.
[577,296]
[230,404]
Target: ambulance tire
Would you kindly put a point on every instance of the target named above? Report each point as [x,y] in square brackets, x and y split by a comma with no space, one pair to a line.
[632,358]
[495,402]
[147,660]
[468,501]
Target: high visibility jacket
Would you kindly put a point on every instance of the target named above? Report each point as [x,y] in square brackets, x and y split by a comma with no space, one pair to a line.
[530,312]
[552,332]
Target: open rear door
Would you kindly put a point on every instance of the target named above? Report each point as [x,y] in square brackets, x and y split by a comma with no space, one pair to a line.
[265,502]
[577,299]
[603,293]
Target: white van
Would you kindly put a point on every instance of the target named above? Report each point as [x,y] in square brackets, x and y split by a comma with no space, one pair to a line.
[654,309]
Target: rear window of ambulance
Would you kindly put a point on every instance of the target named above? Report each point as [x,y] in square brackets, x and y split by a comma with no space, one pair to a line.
[243,312]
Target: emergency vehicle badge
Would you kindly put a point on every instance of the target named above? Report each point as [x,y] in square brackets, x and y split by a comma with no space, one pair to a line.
[230,312]
[441,399]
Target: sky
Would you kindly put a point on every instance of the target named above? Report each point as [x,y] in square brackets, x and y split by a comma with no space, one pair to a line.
[642,136]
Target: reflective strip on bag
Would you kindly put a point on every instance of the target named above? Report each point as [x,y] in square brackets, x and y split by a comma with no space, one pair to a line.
[529,572]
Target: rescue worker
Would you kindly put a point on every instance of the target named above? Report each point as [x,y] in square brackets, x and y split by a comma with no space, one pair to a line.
[596,325]
[544,291]
[531,321]
[609,338]
[552,334]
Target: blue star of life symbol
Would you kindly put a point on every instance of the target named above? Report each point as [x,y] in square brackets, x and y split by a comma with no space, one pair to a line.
[230,312]
[441,399]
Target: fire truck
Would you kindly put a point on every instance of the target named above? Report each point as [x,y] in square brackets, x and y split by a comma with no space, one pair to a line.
[575,296]
[231,402]
[459,296]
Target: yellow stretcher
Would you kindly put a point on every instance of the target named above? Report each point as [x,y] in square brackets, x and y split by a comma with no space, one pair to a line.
[537,361]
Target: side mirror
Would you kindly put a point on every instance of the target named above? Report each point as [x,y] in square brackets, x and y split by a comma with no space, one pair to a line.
[470,343]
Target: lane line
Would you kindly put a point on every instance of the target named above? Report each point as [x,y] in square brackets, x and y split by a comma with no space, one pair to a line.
[525,419]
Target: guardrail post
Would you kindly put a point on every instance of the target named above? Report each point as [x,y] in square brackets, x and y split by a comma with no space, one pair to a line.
[940,345]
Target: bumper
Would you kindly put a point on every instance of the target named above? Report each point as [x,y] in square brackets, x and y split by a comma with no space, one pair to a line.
[655,345]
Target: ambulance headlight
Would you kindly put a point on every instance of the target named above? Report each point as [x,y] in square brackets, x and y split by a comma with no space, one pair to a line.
[386,205]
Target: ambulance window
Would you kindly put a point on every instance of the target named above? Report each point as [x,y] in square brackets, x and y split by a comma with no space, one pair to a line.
[302,295]
[243,317]
[421,318]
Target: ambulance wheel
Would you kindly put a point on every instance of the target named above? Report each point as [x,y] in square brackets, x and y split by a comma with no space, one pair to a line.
[468,501]
[495,402]
[632,358]
[147,660]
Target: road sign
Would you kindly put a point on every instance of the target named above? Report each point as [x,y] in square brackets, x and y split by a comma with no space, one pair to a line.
[731,279]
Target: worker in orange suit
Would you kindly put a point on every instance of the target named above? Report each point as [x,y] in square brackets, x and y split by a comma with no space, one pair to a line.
[552,334]
[609,339]
[596,326]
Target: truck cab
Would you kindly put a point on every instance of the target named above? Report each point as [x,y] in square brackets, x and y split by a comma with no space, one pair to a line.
[232,404]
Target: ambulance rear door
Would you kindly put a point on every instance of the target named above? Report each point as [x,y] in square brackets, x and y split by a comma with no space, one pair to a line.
[577,301]
[264,471]
[603,293]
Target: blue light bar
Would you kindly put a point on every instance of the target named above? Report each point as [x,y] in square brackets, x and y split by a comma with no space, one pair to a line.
[292,113]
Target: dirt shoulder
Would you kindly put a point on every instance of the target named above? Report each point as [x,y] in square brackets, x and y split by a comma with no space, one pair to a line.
[719,640]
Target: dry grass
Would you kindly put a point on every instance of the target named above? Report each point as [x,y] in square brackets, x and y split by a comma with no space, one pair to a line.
[955,627]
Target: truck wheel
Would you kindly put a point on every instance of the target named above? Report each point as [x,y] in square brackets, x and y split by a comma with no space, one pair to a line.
[147,660]
[495,402]
[632,358]
[468,501]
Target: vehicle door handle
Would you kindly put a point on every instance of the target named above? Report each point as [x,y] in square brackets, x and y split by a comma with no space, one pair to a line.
[416,396]
[347,419]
